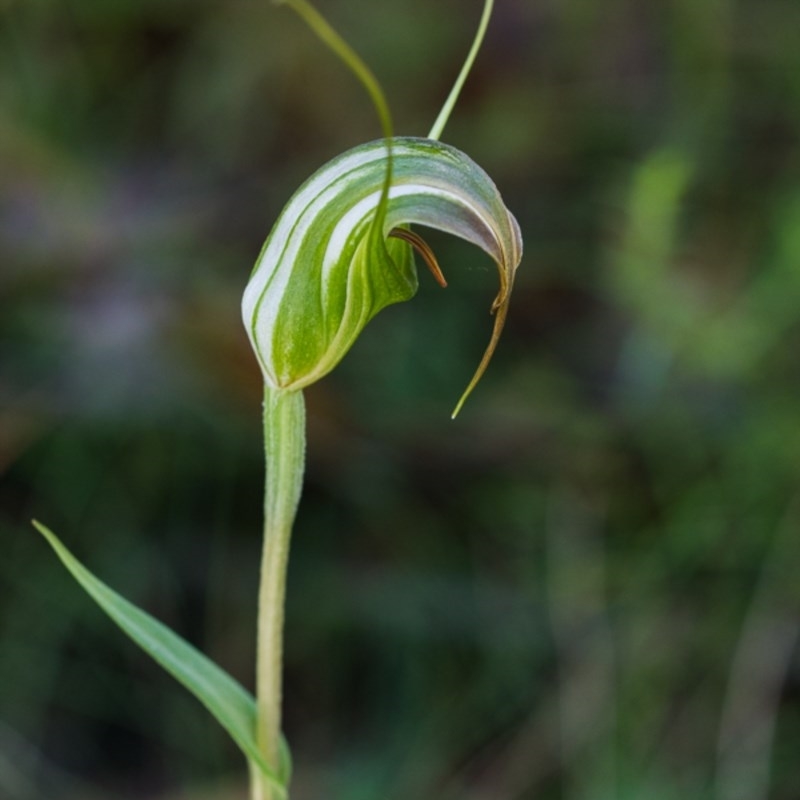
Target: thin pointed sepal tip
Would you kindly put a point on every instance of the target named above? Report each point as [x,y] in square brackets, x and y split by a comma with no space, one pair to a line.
[462,400]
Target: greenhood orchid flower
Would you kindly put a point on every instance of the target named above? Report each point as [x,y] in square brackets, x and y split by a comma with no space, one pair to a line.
[338,254]
[342,249]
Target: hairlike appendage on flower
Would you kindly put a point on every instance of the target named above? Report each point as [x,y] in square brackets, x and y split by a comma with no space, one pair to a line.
[337,255]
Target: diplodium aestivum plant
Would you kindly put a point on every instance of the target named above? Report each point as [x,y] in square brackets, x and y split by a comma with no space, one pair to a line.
[341,250]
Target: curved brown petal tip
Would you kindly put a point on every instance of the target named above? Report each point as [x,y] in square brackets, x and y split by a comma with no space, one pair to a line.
[506,270]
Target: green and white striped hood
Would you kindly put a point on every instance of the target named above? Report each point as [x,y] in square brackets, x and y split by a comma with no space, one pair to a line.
[329,264]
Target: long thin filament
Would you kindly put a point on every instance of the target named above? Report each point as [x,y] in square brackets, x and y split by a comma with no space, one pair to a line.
[449,104]
[330,37]
[363,73]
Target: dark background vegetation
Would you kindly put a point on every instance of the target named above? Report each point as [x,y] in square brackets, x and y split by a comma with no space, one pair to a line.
[584,588]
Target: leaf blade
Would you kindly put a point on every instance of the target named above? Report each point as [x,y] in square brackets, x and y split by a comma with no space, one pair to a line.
[227,700]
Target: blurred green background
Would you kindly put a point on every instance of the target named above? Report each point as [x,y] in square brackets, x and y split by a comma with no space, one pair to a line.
[584,588]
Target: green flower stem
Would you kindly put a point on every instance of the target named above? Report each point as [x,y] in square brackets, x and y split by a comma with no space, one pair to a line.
[284,443]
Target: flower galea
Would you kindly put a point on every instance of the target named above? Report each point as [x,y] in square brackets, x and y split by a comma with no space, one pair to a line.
[342,250]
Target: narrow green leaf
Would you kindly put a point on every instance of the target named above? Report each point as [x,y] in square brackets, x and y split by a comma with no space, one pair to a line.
[231,705]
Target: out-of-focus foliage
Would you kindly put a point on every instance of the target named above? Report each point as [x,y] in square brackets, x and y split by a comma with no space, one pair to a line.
[586,587]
